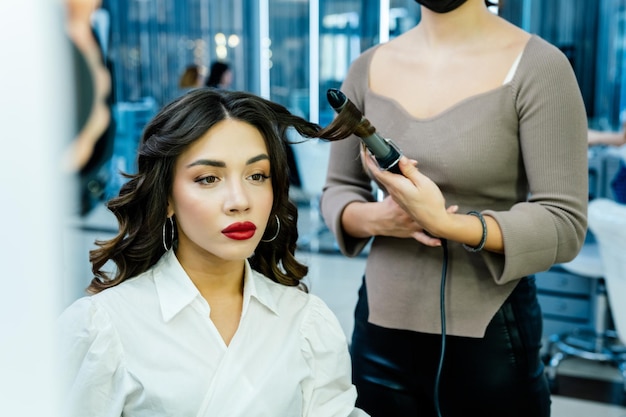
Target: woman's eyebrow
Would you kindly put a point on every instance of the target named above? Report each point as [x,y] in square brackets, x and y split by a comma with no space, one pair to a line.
[221,164]
[208,162]
[257,158]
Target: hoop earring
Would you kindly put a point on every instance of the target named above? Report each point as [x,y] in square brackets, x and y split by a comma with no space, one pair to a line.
[277,231]
[171,222]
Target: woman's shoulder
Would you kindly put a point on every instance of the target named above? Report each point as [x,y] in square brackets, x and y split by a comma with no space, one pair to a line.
[128,293]
[317,316]
[89,309]
[292,299]
[284,294]
[539,50]
[356,82]
[366,56]
[541,66]
[359,69]
[318,326]
[84,319]
[79,308]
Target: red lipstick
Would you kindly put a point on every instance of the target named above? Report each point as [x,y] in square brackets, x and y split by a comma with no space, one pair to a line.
[240,231]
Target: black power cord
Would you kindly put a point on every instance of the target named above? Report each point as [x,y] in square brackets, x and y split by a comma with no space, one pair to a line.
[442,308]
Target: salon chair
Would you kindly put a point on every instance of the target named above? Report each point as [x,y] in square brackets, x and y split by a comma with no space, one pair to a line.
[607,221]
[589,342]
[598,341]
[604,261]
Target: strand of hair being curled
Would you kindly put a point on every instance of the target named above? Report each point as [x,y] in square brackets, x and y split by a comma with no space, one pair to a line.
[349,121]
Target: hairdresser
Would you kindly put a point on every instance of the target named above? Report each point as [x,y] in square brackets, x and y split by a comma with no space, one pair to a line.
[493,128]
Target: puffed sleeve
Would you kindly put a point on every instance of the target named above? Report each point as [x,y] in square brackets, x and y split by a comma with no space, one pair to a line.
[328,391]
[91,362]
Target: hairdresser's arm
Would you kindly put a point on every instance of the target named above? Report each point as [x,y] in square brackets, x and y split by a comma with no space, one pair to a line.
[419,196]
[385,218]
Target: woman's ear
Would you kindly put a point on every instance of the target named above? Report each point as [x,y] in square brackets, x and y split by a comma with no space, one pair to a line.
[170,208]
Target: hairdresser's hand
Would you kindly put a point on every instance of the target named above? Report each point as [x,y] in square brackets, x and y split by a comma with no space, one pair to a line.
[396,222]
[414,192]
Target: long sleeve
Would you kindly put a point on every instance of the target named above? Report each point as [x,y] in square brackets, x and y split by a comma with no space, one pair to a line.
[550,227]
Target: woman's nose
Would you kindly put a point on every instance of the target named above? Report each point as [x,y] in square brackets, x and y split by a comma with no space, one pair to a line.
[237,198]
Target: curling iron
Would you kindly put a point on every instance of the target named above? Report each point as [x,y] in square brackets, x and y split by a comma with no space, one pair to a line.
[386,152]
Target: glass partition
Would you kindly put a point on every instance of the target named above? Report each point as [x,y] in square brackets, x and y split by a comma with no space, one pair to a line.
[592,35]
[345,30]
[610,81]
[291,51]
[403,16]
[151,43]
[288,54]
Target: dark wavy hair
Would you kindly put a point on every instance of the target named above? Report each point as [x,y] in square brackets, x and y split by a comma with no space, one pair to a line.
[141,206]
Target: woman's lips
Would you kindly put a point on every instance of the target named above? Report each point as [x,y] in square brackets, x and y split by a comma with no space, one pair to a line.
[240,231]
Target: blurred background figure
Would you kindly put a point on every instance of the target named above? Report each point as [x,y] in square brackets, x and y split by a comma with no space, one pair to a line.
[602,137]
[95,82]
[220,75]
[191,77]
[92,145]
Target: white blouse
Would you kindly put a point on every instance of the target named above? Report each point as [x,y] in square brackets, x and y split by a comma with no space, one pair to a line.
[147,348]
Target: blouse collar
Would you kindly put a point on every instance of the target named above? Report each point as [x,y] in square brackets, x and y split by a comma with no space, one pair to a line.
[176,291]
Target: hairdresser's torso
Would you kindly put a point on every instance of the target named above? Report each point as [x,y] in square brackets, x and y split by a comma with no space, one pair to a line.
[453,109]
[430,68]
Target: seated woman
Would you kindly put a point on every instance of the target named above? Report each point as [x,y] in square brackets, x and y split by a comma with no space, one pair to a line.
[206,313]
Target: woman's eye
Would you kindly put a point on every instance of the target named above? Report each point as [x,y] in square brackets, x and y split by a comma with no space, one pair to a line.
[258,177]
[207,180]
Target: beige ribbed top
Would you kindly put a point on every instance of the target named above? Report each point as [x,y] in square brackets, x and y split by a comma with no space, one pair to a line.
[517,153]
